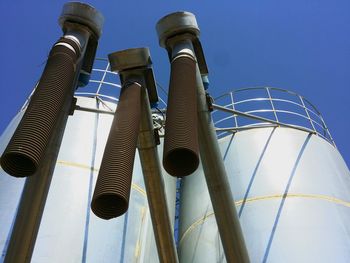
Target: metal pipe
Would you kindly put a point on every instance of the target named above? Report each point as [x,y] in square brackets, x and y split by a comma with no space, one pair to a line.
[180,155]
[112,190]
[35,191]
[36,188]
[33,198]
[182,28]
[26,149]
[153,178]
[218,186]
[135,65]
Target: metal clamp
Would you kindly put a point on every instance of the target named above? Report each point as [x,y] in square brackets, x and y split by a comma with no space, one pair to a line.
[210,101]
[80,17]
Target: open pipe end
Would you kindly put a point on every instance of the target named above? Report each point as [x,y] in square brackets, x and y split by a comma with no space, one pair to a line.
[18,164]
[109,205]
[35,132]
[113,185]
[188,159]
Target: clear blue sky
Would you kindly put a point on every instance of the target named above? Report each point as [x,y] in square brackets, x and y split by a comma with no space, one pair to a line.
[299,45]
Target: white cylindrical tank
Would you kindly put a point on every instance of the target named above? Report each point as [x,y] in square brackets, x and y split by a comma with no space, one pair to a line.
[69,231]
[291,190]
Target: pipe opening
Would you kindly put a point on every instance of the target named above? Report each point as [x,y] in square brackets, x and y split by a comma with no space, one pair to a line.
[108,206]
[188,159]
[18,164]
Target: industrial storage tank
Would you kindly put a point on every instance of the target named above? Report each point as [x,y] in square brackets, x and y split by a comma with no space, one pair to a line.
[288,179]
[69,231]
[289,182]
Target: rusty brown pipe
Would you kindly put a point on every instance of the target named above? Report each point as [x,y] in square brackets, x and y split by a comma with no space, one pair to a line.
[112,190]
[181,136]
[26,149]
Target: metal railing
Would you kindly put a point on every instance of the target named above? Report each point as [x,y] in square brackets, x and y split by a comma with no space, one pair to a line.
[103,84]
[241,109]
[267,107]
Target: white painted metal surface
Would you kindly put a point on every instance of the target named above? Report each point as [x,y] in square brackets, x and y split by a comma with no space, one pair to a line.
[292,192]
[291,189]
[69,231]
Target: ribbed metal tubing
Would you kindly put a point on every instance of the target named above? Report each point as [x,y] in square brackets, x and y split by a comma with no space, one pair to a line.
[26,148]
[181,136]
[112,190]
[36,188]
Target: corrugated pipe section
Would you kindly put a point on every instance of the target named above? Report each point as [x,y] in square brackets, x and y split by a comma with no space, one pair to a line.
[112,190]
[25,151]
[181,136]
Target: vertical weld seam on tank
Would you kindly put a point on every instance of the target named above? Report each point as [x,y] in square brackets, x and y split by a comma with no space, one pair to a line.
[112,190]
[181,135]
[26,149]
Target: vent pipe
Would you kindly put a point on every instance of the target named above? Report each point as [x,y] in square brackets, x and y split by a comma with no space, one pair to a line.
[34,146]
[134,65]
[179,34]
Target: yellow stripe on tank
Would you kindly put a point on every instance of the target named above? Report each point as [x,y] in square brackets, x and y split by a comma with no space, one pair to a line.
[269,197]
[87,167]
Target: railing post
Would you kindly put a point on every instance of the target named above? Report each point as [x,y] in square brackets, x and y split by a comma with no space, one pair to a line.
[272,104]
[233,107]
[307,113]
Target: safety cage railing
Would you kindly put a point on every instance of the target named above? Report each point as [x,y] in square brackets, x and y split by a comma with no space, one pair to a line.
[262,106]
[258,107]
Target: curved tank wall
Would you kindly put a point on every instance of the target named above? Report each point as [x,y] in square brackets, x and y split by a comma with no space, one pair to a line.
[292,193]
[69,231]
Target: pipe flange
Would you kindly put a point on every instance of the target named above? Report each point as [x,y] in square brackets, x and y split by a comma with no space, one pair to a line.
[135,63]
[129,59]
[175,24]
[84,14]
